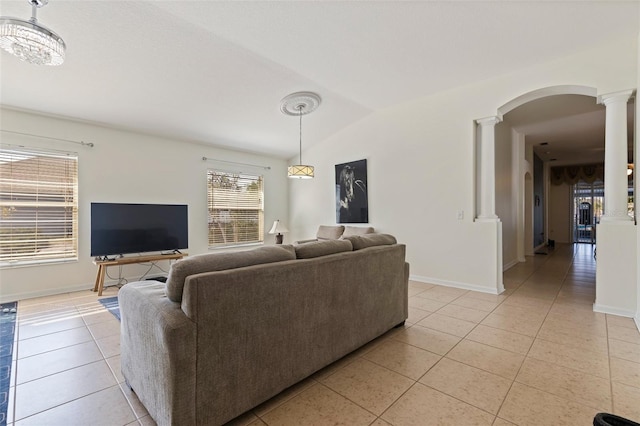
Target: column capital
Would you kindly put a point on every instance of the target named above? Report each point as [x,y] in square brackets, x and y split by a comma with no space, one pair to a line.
[622,96]
[489,121]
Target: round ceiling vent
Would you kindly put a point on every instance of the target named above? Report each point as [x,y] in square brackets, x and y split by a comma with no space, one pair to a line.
[300,103]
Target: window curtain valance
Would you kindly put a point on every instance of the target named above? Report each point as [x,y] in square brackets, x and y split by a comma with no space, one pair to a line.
[573,174]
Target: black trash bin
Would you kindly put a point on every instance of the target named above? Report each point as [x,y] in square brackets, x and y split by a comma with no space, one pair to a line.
[606,419]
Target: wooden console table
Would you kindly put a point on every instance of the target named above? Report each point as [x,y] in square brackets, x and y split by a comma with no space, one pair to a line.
[103,264]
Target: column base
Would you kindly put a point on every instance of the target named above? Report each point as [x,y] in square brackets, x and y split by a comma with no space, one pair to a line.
[616,268]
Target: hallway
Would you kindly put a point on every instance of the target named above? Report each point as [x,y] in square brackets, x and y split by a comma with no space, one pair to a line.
[567,275]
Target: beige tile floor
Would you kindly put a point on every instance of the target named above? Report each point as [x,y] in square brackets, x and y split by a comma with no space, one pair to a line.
[537,354]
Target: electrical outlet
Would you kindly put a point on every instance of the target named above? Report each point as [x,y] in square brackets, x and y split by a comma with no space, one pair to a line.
[460,214]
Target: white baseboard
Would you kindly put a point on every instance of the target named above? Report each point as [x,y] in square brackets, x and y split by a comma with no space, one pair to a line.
[455,284]
[637,321]
[540,247]
[613,310]
[6,298]
[510,264]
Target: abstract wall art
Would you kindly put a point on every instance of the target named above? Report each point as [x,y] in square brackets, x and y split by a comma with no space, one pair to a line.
[352,203]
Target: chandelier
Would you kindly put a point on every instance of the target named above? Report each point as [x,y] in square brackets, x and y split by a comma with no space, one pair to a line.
[30,41]
[300,103]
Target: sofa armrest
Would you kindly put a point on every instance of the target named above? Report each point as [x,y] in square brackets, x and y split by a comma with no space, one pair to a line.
[158,352]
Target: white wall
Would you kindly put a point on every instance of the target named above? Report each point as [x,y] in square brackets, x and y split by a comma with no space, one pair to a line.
[129,167]
[505,197]
[421,165]
[560,213]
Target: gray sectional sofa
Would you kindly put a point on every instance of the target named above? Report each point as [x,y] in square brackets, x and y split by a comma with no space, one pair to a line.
[229,331]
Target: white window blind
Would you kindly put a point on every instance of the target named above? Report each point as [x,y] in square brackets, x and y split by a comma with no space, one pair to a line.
[39,206]
[236,208]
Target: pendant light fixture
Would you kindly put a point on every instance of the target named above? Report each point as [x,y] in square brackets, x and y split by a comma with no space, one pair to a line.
[299,104]
[30,41]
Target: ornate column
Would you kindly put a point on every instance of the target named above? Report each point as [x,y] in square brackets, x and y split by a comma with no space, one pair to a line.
[616,274]
[615,156]
[487,175]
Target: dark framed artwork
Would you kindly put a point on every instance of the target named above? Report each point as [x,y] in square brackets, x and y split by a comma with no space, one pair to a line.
[352,203]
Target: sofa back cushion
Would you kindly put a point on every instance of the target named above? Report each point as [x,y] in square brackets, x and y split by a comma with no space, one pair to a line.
[322,248]
[221,261]
[329,232]
[357,230]
[369,240]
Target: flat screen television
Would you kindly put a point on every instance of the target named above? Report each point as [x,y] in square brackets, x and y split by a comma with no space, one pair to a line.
[137,228]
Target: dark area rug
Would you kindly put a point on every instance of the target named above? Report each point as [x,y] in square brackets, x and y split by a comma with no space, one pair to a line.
[111,303]
[8,313]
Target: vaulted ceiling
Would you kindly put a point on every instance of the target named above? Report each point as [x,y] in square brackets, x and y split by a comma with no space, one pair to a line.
[215,71]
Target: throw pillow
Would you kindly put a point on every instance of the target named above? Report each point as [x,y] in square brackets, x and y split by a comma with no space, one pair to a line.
[329,232]
[322,248]
[357,230]
[369,240]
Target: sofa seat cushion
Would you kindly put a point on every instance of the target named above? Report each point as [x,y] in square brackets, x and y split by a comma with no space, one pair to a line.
[221,261]
[357,230]
[322,248]
[329,232]
[370,240]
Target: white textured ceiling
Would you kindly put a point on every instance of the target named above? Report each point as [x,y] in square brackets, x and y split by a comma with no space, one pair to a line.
[215,71]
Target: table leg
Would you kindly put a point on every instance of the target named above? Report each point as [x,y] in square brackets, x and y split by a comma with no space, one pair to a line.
[101,284]
[95,287]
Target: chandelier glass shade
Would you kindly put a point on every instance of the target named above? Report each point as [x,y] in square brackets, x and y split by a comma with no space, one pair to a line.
[299,104]
[30,41]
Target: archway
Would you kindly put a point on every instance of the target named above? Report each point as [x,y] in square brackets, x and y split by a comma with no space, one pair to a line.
[546,92]
[521,142]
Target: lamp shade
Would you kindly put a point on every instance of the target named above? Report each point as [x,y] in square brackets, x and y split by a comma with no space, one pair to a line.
[300,171]
[278,228]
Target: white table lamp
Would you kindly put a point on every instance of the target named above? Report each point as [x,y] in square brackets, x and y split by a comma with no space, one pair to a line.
[278,229]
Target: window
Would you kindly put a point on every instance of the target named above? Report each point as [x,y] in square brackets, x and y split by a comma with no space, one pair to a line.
[588,208]
[39,206]
[236,208]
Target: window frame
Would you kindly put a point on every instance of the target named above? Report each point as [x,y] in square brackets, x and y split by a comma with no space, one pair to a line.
[232,206]
[34,193]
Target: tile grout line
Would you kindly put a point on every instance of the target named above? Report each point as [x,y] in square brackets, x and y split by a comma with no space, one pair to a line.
[606,321]
[103,359]
[15,374]
[529,350]
[536,338]
[444,356]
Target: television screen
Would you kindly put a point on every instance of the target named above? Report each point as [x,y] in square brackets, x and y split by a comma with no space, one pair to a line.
[137,228]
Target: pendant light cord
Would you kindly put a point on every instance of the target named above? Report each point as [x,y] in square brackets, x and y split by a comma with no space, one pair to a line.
[300,113]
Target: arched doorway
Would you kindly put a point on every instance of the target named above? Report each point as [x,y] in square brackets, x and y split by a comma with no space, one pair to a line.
[615,277]
[549,126]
